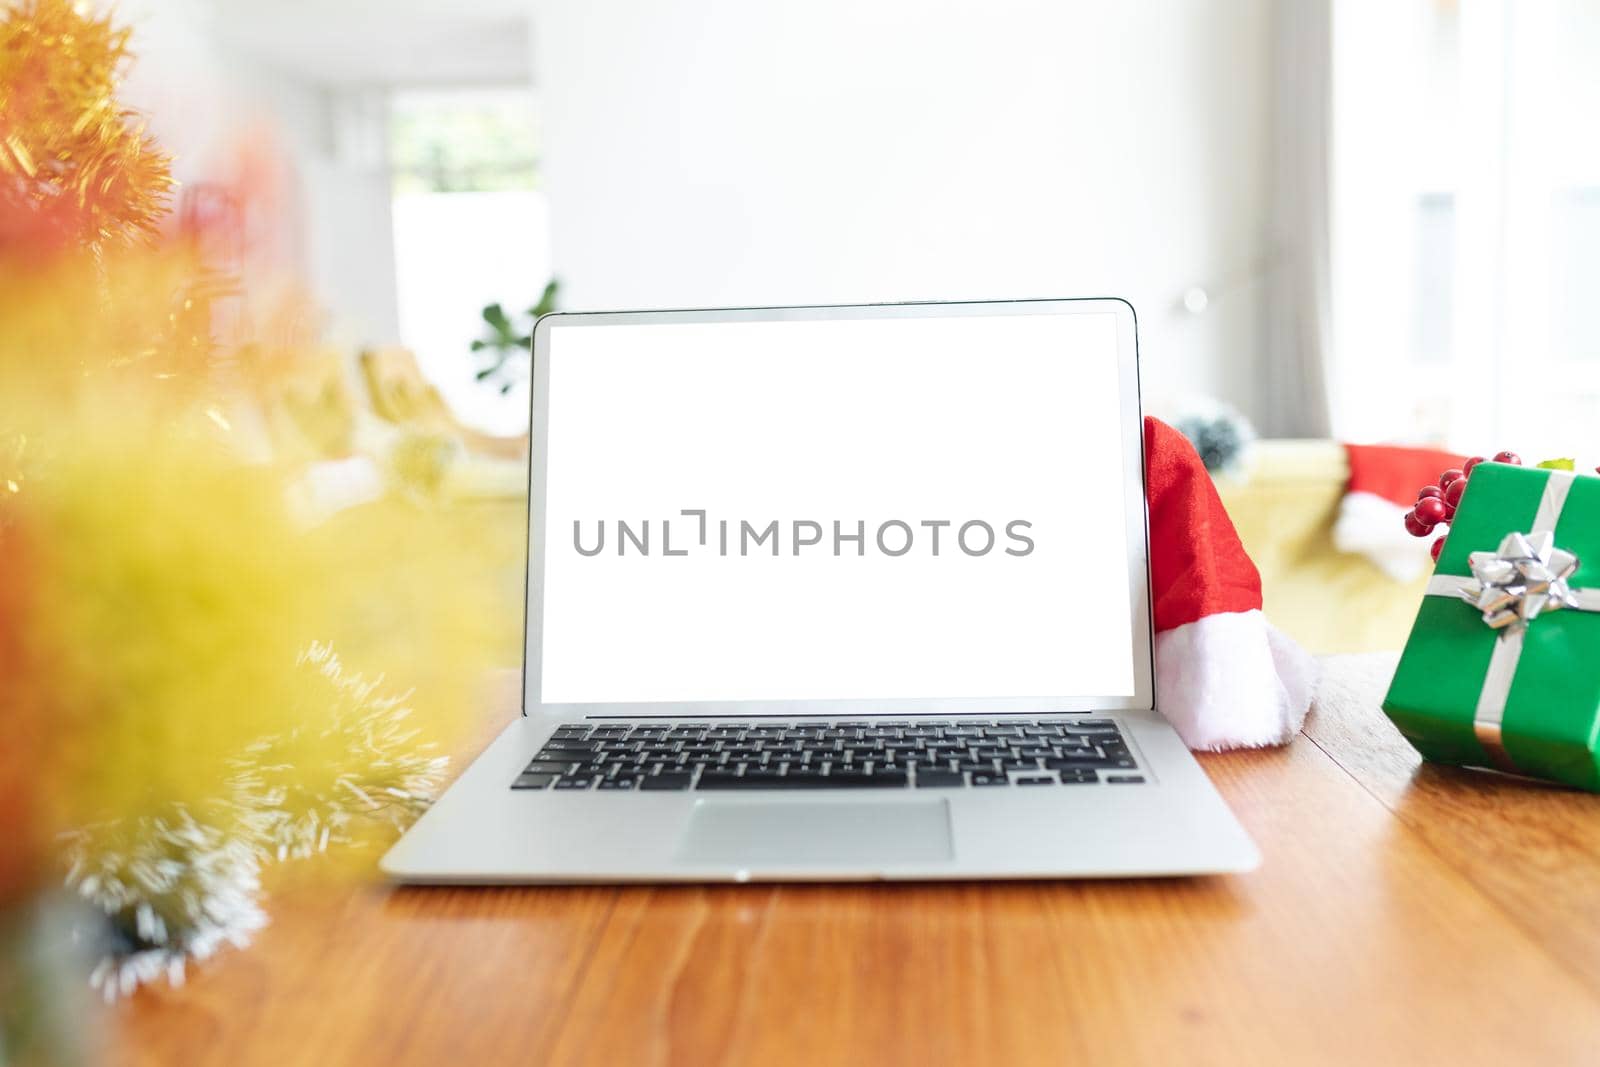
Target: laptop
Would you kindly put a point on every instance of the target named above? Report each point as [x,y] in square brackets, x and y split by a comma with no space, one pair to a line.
[834,593]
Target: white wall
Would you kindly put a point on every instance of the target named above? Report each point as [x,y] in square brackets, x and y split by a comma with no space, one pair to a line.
[207,99]
[725,152]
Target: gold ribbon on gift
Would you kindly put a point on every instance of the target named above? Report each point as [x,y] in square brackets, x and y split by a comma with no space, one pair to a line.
[1512,586]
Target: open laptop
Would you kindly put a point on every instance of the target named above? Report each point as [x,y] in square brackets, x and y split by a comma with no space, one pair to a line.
[834,593]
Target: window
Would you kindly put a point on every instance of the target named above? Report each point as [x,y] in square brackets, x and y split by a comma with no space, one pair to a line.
[1466,224]
[470,229]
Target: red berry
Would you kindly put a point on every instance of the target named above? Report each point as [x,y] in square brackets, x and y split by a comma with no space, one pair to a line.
[1438,546]
[1451,475]
[1430,490]
[1452,493]
[1466,468]
[1508,457]
[1430,510]
[1416,527]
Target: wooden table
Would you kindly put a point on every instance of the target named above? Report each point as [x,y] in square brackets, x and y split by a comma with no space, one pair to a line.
[1404,914]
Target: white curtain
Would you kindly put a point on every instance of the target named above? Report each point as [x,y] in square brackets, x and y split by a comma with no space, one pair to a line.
[1293,400]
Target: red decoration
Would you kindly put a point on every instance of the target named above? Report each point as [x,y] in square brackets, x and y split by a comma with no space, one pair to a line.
[1394,472]
[1198,566]
[1437,504]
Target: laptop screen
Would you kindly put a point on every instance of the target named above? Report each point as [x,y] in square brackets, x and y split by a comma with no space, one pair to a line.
[835,509]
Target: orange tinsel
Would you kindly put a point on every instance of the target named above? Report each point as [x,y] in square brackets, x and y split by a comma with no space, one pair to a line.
[76,169]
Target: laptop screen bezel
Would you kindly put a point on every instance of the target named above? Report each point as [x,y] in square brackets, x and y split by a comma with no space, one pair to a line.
[1134,521]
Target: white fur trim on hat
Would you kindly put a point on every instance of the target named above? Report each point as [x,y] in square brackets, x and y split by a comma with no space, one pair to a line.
[1232,680]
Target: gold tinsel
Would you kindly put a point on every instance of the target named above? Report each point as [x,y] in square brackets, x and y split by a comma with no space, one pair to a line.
[76,169]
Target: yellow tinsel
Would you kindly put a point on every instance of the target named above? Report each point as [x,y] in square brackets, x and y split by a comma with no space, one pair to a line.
[159,586]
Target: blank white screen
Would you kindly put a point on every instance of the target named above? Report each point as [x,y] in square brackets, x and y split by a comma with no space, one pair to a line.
[992,419]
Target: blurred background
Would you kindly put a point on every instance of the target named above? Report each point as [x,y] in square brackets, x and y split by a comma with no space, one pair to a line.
[1355,220]
[1342,222]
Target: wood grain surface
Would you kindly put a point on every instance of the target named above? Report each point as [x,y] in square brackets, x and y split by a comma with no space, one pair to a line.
[1402,915]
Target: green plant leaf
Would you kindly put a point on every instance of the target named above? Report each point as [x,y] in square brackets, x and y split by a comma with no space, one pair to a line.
[495,316]
[547,299]
[1558,465]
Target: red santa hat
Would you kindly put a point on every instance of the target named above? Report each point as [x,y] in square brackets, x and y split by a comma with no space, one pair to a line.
[1225,676]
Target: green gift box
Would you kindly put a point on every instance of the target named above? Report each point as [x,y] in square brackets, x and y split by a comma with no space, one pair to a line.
[1502,668]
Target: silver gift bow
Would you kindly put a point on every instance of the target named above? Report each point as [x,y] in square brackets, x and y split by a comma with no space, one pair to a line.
[1525,578]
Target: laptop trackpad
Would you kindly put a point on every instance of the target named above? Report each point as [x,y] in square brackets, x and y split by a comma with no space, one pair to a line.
[790,832]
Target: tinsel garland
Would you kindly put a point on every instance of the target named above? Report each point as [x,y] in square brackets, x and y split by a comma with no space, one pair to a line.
[179,885]
[76,169]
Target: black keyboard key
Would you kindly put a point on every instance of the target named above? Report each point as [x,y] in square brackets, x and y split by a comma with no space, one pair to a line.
[862,780]
[803,778]
[669,780]
[621,781]
[1125,779]
[990,779]
[533,781]
[729,780]
[569,746]
[1088,759]
[1079,777]
[1033,780]
[548,767]
[932,779]
[575,781]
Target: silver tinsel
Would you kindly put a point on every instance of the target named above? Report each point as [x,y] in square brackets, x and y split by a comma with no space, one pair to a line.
[379,771]
[172,888]
[176,887]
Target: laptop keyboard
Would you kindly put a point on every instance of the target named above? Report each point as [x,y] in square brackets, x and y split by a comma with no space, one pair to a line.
[924,754]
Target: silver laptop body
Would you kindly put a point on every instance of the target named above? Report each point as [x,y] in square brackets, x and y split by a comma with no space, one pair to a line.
[834,593]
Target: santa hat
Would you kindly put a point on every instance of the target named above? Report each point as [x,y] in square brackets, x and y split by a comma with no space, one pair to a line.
[1225,676]
[1383,485]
